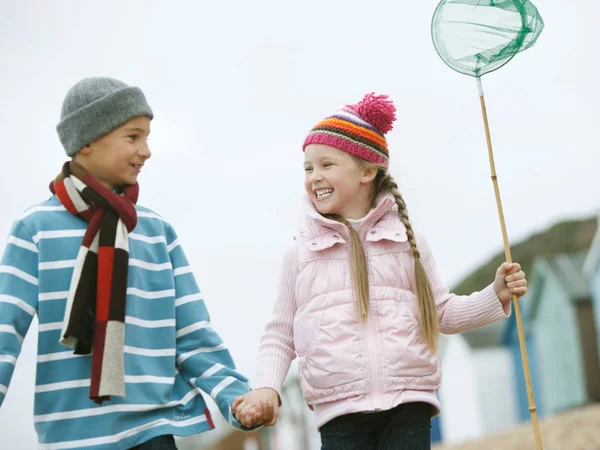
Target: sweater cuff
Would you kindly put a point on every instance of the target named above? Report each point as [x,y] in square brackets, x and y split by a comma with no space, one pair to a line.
[271,374]
[268,385]
[491,302]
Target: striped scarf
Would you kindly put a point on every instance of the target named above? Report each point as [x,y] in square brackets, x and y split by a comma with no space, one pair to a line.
[94,320]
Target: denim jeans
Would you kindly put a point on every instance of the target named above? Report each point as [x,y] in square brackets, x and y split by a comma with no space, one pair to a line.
[406,427]
[166,442]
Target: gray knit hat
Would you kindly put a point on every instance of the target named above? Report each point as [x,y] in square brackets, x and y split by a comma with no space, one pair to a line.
[96,106]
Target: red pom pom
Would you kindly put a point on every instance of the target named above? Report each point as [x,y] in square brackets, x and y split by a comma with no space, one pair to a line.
[378,111]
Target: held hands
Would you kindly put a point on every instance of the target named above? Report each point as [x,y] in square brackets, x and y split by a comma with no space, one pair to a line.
[510,279]
[257,407]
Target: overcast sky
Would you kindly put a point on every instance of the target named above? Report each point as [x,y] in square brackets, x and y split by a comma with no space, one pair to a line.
[236,85]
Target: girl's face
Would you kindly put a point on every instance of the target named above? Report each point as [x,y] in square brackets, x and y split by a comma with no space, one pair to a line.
[335,183]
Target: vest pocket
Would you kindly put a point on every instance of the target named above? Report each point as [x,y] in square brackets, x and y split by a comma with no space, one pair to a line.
[405,354]
[335,356]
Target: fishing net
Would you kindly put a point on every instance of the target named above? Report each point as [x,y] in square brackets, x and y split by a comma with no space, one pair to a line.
[475,37]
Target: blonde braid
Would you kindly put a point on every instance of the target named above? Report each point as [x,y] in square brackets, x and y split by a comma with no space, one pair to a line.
[360,270]
[425,297]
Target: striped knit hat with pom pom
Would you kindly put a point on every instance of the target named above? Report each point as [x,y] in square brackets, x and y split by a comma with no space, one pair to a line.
[358,129]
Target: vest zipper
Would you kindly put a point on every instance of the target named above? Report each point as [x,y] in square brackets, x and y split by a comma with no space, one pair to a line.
[373,355]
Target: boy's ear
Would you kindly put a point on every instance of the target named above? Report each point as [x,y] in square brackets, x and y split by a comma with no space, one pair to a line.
[86,150]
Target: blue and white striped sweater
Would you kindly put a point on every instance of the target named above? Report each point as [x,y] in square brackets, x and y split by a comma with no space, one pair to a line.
[171,351]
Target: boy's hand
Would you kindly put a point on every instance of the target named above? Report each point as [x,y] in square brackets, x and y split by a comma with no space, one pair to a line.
[257,407]
[510,279]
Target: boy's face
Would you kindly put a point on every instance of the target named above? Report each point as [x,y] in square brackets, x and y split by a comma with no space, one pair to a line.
[116,159]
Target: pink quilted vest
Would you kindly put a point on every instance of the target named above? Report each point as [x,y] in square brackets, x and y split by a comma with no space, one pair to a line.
[339,357]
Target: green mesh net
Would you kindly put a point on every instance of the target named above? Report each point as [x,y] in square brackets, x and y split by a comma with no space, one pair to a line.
[475,37]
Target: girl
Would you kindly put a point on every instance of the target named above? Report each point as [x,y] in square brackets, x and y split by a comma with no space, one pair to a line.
[360,301]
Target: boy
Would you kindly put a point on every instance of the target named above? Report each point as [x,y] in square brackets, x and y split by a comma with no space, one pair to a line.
[125,342]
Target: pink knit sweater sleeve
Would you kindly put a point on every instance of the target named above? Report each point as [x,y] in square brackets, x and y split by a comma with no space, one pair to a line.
[459,313]
[277,350]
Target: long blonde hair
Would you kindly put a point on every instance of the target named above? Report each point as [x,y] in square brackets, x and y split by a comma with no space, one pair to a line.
[429,321]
